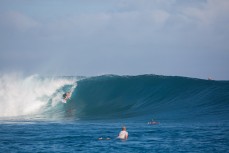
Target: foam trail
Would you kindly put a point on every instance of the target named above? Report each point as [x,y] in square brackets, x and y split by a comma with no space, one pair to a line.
[28,95]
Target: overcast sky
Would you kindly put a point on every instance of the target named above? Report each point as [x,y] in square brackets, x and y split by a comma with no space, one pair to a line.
[125,37]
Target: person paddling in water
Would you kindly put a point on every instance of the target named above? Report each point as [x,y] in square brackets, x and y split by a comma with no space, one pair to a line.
[153,122]
[123,134]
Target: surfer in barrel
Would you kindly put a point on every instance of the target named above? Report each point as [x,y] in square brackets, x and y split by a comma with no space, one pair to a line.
[66,96]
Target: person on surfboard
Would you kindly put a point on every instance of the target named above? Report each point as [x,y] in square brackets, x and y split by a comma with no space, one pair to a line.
[66,96]
[153,122]
[123,134]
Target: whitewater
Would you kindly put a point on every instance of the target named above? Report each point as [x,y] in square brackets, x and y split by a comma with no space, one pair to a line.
[193,113]
[30,95]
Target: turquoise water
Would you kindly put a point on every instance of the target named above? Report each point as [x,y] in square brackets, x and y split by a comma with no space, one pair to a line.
[193,114]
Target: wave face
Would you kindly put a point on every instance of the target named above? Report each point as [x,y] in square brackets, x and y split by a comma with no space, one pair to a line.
[150,96]
[116,97]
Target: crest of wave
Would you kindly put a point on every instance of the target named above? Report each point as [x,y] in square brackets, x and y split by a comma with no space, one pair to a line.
[27,95]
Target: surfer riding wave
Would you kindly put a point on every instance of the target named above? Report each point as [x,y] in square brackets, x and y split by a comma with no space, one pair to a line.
[66,96]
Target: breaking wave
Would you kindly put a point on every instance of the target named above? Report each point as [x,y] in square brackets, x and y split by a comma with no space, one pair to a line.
[115,97]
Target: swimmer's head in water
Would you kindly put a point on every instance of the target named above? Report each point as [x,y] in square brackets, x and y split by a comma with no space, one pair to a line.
[124,128]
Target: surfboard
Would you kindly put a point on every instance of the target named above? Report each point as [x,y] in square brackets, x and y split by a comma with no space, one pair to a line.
[101,138]
[63,101]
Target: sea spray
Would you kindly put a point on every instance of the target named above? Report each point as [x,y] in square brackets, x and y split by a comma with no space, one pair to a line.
[21,95]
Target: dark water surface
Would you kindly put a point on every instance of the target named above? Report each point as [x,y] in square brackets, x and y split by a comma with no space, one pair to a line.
[68,136]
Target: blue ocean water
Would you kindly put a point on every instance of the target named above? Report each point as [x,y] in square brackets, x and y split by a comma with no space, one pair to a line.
[83,136]
[192,113]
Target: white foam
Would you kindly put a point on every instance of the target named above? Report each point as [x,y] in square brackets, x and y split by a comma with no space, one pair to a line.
[28,95]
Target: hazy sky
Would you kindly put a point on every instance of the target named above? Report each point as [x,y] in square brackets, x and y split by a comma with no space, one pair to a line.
[124,37]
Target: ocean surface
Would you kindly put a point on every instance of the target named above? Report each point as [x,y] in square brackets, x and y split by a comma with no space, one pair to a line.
[192,114]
